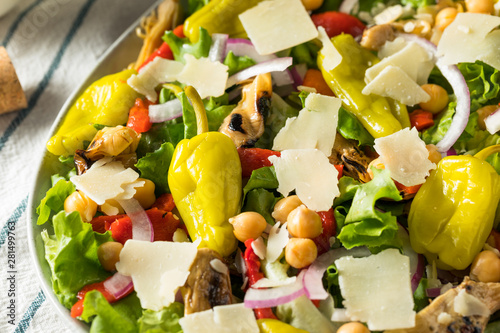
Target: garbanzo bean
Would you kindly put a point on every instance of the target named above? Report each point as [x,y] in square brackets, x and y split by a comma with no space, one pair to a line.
[434,155]
[109,254]
[353,327]
[300,252]
[81,203]
[439,98]
[480,6]
[444,17]
[483,113]
[248,225]
[312,4]
[304,223]
[486,267]
[146,193]
[284,207]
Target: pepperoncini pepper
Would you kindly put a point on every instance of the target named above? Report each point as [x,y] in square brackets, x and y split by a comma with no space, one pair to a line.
[453,212]
[219,16]
[276,326]
[381,116]
[105,102]
[205,180]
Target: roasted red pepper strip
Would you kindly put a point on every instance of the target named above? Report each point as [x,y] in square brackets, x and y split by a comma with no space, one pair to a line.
[138,117]
[314,79]
[421,119]
[77,308]
[254,158]
[164,50]
[494,239]
[254,274]
[164,202]
[407,189]
[329,230]
[336,23]
[340,169]
[100,223]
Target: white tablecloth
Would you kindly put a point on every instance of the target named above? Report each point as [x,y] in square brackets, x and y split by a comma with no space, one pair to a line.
[53,45]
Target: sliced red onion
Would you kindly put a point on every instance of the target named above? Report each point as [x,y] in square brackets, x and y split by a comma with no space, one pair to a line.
[451,152]
[416,260]
[142,228]
[313,278]
[298,72]
[283,78]
[433,292]
[118,285]
[492,122]
[271,297]
[347,6]
[218,49]
[457,82]
[159,113]
[274,65]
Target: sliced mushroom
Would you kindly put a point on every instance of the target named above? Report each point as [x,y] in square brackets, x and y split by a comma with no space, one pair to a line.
[245,124]
[110,141]
[207,285]
[428,321]
[347,153]
[376,36]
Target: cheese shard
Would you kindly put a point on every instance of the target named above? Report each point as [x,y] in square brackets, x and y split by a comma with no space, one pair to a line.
[468,305]
[469,38]
[393,82]
[278,239]
[310,174]
[314,128]
[278,25]
[492,122]
[207,77]
[404,154]
[377,290]
[107,179]
[234,318]
[157,269]
[332,57]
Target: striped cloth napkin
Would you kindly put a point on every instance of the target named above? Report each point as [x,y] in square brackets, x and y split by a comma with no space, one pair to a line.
[53,45]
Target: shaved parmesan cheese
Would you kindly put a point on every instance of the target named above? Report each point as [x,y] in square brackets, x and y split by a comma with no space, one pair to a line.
[469,38]
[468,305]
[332,57]
[278,239]
[412,59]
[268,283]
[207,77]
[377,290]
[221,319]
[393,82]
[219,266]
[157,71]
[314,128]
[157,269]
[444,318]
[278,25]
[310,174]
[404,154]
[259,248]
[492,122]
[340,315]
[388,15]
[107,180]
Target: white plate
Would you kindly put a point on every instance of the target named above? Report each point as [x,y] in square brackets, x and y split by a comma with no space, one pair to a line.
[119,55]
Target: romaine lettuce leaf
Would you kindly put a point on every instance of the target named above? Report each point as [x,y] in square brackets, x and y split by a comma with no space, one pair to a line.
[72,256]
[261,201]
[163,321]
[154,166]
[169,131]
[236,63]
[54,199]
[483,82]
[350,128]
[261,178]
[182,46]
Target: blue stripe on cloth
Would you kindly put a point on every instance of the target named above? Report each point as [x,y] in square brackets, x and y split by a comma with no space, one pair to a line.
[12,221]
[48,75]
[18,20]
[30,313]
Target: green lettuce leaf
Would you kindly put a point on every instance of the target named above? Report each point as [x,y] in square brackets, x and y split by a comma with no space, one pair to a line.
[154,166]
[163,321]
[54,199]
[261,178]
[364,225]
[191,6]
[170,131]
[418,3]
[237,63]
[350,128]
[306,53]
[72,256]
[483,82]
[261,201]
[120,317]
[420,295]
[182,46]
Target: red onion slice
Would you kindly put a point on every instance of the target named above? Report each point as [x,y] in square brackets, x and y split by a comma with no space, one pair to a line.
[159,113]
[142,228]
[218,48]
[460,89]
[298,73]
[119,285]
[275,65]
[347,6]
[416,260]
[433,292]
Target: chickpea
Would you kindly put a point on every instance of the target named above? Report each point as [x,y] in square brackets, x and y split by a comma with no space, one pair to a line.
[377,164]
[312,4]
[146,193]
[483,113]
[486,267]
[353,327]
[480,6]
[81,203]
[434,154]
[304,223]
[439,98]
[109,254]
[284,207]
[444,17]
[248,225]
[300,252]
